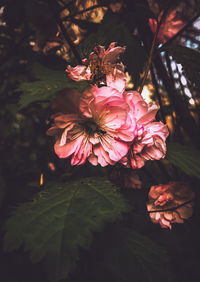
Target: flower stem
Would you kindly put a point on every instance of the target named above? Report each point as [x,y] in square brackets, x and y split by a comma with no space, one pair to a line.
[152,51]
[83,11]
[172,209]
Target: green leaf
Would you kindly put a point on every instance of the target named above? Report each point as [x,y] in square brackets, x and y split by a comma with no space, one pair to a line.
[61,220]
[134,57]
[130,256]
[48,83]
[184,157]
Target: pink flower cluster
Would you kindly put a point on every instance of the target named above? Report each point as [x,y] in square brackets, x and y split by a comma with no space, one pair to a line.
[111,125]
[170,203]
[101,66]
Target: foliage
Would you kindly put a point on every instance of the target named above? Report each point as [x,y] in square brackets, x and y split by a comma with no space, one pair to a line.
[48,83]
[184,157]
[61,219]
[128,255]
[79,228]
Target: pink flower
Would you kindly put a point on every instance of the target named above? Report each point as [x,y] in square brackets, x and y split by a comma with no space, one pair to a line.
[170,203]
[101,132]
[102,66]
[150,136]
[150,145]
[168,28]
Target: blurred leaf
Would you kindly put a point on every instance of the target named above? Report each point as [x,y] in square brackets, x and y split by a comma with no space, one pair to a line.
[61,220]
[130,256]
[189,59]
[134,57]
[184,157]
[48,83]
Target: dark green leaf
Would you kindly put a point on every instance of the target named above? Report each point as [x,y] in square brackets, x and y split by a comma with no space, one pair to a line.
[184,157]
[48,84]
[61,220]
[131,256]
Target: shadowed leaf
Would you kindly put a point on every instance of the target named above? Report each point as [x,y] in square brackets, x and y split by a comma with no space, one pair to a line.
[130,256]
[61,220]
[184,157]
[48,83]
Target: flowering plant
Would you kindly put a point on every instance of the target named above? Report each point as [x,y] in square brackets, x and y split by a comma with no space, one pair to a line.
[112,125]
[75,202]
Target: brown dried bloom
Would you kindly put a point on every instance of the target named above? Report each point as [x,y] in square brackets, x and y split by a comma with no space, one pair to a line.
[170,203]
[125,178]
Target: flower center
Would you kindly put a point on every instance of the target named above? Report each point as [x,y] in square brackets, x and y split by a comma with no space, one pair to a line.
[98,71]
[91,127]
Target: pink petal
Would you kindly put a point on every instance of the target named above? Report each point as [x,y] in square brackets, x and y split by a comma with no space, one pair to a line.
[115,118]
[113,54]
[81,153]
[63,121]
[63,138]
[150,115]
[112,45]
[78,73]
[93,159]
[67,149]
[137,162]
[116,149]
[158,128]
[104,93]
[103,157]
[118,81]
[54,130]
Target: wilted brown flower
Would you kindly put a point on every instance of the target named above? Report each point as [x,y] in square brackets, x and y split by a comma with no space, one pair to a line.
[125,178]
[170,203]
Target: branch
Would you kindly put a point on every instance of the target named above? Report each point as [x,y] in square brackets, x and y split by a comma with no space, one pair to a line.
[172,209]
[162,48]
[83,11]
[157,94]
[151,51]
[54,8]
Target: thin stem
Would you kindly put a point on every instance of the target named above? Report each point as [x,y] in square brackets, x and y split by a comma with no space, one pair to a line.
[163,47]
[157,93]
[82,11]
[172,209]
[151,51]
[54,9]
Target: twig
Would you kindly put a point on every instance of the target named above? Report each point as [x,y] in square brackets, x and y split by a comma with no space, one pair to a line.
[162,48]
[172,209]
[157,94]
[54,9]
[83,11]
[152,50]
